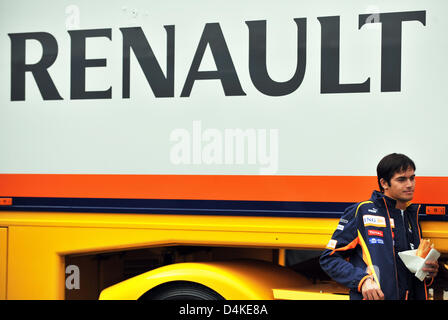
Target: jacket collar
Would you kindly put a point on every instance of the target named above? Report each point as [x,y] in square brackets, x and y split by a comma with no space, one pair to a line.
[377,197]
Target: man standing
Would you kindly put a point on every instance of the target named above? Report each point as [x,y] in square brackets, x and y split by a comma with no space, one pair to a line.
[363,251]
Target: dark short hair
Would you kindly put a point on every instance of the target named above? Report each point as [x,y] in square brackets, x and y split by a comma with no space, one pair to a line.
[391,164]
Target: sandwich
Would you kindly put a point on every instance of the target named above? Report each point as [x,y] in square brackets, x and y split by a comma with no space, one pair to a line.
[424,247]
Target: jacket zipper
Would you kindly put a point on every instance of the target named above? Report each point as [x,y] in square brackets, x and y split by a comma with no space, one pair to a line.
[393,252]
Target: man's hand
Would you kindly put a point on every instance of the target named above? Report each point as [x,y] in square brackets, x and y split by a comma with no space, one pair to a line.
[371,291]
[432,267]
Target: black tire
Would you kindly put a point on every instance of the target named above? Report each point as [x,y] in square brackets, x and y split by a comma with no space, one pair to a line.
[182,290]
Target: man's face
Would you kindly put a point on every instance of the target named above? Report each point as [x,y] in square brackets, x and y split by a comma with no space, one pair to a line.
[401,186]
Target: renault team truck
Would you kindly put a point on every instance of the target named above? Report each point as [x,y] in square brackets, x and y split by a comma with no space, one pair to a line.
[206,150]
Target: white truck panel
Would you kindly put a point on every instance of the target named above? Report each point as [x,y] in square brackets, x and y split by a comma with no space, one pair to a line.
[305,132]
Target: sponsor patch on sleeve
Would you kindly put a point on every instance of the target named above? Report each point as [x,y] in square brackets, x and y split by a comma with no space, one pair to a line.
[376,241]
[374,221]
[331,244]
[377,233]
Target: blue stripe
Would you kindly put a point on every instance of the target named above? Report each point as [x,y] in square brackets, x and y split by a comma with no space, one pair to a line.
[190,207]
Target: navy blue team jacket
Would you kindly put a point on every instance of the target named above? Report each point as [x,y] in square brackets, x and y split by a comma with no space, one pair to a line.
[366,242]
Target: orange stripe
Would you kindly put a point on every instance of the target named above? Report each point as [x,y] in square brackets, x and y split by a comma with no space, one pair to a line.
[418,224]
[362,282]
[351,245]
[368,259]
[213,187]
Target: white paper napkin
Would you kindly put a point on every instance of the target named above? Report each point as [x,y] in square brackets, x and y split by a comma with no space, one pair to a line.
[415,263]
